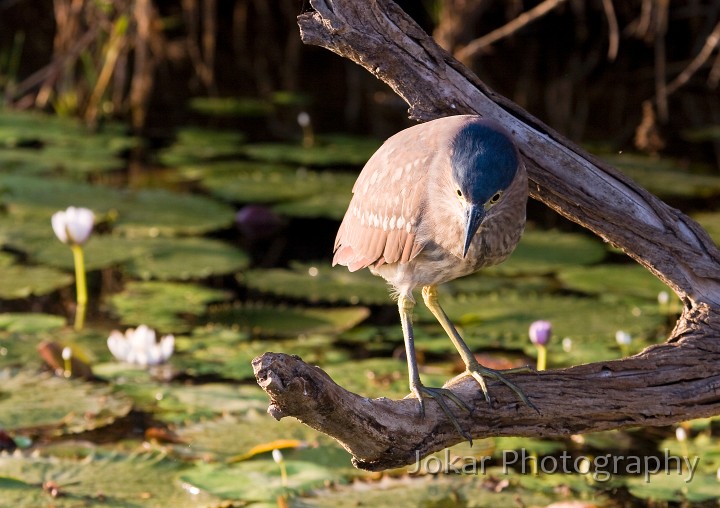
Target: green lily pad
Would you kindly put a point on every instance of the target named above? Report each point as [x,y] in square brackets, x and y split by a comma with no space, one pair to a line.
[381,377]
[502,321]
[226,351]
[259,481]
[280,321]
[186,258]
[30,322]
[36,143]
[24,281]
[665,177]
[194,144]
[154,212]
[148,212]
[298,192]
[43,402]
[487,490]
[711,222]
[234,436]
[162,305]
[329,150]
[99,478]
[319,282]
[542,252]
[674,487]
[631,280]
[231,106]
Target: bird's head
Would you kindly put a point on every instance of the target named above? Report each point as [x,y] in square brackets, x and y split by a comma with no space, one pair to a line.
[484,163]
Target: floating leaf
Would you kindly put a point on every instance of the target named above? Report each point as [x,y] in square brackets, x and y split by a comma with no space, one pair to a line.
[262,320]
[155,212]
[25,281]
[60,406]
[223,351]
[666,177]
[36,143]
[711,222]
[30,322]
[230,106]
[148,212]
[259,480]
[542,252]
[674,487]
[98,478]
[319,282]
[186,258]
[502,321]
[298,192]
[329,150]
[196,144]
[630,280]
[229,437]
[161,305]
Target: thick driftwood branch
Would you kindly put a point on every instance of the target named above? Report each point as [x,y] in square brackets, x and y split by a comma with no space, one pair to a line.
[667,383]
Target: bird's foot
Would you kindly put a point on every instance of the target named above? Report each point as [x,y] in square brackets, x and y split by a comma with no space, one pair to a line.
[479,373]
[439,394]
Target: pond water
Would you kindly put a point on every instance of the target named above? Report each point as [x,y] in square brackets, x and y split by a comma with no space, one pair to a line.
[226,244]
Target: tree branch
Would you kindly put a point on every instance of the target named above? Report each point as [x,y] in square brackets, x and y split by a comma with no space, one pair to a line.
[667,383]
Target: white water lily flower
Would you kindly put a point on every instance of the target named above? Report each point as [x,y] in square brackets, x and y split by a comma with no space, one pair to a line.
[140,347]
[73,225]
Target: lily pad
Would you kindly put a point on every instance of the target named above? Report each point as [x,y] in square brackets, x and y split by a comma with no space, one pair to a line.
[43,402]
[259,481]
[195,144]
[24,281]
[185,258]
[30,322]
[279,321]
[231,106]
[162,305]
[100,478]
[298,192]
[153,212]
[711,222]
[229,437]
[148,212]
[329,150]
[32,142]
[502,321]
[227,352]
[618,281]
[542,252]
[319,282]
[666,177]
[674,487]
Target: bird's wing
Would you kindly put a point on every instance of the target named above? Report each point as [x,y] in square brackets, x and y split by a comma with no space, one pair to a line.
[380,225]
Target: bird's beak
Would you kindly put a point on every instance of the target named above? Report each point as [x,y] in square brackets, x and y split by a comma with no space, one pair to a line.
[474,216]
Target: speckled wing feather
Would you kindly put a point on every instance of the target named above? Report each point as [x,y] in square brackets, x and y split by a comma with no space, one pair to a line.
[381,222]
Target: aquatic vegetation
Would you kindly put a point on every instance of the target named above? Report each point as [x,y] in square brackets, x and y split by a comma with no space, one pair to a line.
[73,227]
[139,346]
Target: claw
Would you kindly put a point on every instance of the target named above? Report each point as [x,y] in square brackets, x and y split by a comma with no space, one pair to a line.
[438,394]
[478,372]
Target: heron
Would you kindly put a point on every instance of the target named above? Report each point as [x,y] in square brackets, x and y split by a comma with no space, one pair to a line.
[437,201]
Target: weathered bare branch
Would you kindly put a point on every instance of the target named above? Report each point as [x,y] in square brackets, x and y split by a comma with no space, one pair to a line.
[667,383]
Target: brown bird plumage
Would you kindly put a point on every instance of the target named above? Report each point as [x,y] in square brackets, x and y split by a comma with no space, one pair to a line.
[437,201]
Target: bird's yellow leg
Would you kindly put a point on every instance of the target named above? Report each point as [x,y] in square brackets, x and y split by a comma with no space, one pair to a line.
[473,368]
[405,307]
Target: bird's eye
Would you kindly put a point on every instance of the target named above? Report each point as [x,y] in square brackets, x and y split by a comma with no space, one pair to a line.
[496,197]
[459,193]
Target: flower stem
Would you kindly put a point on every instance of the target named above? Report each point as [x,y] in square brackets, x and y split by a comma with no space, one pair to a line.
[541,358]
[80,284]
